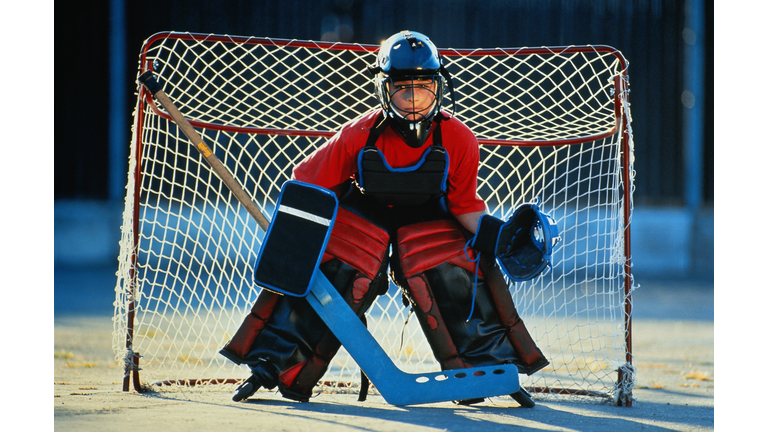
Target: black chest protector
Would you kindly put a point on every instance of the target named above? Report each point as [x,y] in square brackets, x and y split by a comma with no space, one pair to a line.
[409,186]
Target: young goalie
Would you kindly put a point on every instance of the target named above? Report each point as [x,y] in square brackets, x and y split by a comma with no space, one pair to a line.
[405,176]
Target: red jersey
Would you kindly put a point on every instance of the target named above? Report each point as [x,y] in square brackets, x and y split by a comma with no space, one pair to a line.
[335,162]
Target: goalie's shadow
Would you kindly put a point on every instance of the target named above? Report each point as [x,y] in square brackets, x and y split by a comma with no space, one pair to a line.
[375,413]
[334,410]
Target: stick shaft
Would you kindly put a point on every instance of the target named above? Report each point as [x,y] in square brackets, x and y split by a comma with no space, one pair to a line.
[197,141]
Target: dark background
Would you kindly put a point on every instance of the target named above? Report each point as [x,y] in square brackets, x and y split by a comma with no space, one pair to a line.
[94,127]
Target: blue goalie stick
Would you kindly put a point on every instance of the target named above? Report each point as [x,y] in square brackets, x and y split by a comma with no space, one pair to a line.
[395,386]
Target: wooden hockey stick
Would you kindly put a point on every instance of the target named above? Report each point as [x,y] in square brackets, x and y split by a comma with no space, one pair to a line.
[148,80]
[395,386]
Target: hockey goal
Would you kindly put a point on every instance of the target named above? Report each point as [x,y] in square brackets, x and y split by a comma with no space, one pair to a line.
[553,123]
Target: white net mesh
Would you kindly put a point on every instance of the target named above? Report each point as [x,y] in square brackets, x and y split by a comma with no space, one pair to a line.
[550,123]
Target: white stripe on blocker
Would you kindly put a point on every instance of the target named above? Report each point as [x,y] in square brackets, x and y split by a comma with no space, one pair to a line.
[304,215]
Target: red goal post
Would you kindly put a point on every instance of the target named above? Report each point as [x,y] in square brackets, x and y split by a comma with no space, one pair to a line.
[553,124]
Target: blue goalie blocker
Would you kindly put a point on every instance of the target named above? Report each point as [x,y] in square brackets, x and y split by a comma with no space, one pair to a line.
[296,239]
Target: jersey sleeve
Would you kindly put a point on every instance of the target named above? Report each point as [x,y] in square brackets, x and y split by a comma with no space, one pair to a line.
[464,153]
[334,162]
[328,166]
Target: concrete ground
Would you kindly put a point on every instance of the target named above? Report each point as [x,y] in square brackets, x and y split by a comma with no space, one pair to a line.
[673,344]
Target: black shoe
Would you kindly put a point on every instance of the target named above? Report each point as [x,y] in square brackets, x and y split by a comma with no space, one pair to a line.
[246,389]
[523,398]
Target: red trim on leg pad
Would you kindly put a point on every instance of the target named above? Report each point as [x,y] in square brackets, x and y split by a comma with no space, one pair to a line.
[426,245]
[360,288]
[433,325]
[288,377]
[237,348]
[357,242]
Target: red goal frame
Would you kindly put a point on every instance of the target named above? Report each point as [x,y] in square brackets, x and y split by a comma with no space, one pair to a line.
[622,118]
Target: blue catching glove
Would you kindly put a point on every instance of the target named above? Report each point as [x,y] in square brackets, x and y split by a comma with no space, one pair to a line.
[522,245]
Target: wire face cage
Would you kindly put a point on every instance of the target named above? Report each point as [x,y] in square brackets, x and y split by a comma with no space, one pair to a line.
[553,124]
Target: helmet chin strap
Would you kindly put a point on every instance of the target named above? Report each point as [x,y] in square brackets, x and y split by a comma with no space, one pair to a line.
[414,134]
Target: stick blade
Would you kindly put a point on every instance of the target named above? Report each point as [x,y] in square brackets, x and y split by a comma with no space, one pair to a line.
[398,387]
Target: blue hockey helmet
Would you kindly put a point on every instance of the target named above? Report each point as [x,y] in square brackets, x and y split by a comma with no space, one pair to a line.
[403,57]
